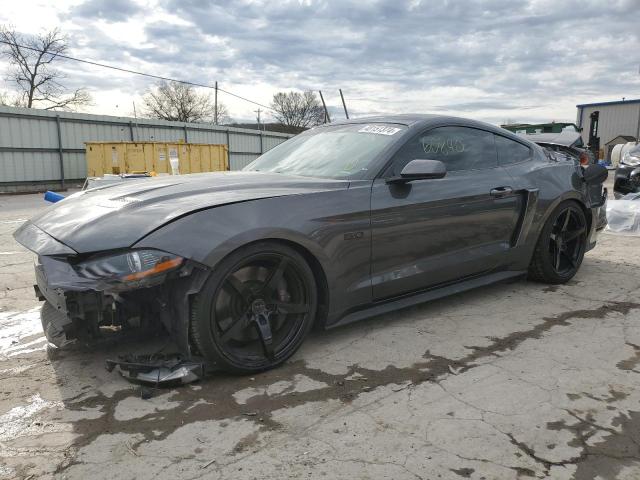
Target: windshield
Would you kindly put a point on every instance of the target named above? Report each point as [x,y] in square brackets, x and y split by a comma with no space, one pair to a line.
[341,151]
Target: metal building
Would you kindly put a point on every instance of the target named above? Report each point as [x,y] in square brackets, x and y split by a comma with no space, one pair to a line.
[610,120]
[40,149]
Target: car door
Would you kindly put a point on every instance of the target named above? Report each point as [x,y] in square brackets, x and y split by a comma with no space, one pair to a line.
[430,232]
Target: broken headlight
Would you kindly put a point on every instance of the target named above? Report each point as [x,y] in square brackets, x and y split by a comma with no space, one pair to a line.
[130,266]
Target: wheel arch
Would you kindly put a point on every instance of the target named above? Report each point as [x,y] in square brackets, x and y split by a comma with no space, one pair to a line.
[319,272]
[565,198]
[540,269]
[544,217]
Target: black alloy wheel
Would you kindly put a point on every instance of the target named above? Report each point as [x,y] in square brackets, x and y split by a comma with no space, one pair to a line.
[561,245]
[257,310]
[568,238]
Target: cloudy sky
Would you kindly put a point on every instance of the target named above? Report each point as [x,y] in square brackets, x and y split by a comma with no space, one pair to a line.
[493,60]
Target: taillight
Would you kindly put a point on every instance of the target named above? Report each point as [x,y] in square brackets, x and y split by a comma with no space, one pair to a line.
[584,158]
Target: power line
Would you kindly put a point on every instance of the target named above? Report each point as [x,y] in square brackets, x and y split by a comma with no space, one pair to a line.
[134,72]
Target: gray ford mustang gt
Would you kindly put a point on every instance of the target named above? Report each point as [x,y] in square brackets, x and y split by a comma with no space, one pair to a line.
[339,223]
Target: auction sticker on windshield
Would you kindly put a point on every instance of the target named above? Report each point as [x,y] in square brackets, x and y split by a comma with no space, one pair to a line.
[379,129]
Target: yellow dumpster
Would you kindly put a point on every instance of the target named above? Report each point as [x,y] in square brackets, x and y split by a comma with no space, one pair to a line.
[136,157]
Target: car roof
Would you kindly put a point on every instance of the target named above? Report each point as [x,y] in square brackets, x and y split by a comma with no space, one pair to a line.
[421,119]
[407,119]
[424,120]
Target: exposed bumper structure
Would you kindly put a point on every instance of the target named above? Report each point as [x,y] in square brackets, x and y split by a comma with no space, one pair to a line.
[92,306]
[158,370]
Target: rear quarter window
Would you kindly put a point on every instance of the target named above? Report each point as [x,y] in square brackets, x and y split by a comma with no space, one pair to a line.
[510,151]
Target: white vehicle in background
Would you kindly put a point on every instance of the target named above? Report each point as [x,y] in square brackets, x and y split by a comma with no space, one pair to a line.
[627,179]
[619,151]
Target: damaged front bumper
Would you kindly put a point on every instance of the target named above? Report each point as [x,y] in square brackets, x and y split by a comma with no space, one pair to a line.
[92,307]
[102,293]
[159,370]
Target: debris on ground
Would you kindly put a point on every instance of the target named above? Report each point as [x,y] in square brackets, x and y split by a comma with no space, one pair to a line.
[157,369]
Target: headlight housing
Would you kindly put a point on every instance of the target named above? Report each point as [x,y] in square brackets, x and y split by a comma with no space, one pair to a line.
[131,266]
[631,160]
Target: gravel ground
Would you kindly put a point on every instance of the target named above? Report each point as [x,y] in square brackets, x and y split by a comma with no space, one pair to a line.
[509,381]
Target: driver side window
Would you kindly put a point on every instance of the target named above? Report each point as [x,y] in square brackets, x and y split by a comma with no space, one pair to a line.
[459,148]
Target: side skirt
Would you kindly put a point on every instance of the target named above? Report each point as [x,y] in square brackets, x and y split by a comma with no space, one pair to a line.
[426,296]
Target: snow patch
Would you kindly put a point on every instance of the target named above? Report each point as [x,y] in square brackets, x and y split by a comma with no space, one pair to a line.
[17,421]
[16,326]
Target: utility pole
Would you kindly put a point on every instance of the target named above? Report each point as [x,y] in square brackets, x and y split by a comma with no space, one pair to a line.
[135,115]
[344,104]
[215,106]
[258,117]
[327,119]
[638,127]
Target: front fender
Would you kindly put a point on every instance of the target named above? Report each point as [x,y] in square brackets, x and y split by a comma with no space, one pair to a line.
[334,227]
[209,236]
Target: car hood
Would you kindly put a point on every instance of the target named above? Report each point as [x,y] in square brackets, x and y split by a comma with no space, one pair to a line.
[118,216]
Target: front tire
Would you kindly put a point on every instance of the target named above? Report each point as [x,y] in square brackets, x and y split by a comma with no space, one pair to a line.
[53,325]
[561,245]
[255,309]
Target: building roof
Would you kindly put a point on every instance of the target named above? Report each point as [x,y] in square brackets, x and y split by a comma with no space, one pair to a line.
[617,102]
[628,138]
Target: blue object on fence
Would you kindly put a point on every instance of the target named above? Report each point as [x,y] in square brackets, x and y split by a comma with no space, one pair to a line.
[53,197]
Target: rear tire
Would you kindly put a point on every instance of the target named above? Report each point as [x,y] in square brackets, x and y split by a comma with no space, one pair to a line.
[561,245]
[255,309]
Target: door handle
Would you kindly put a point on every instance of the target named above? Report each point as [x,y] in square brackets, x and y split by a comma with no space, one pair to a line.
[499,192]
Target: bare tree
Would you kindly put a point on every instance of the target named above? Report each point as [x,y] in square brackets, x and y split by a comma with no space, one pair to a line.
[30,69]
[297,110]
[181,102]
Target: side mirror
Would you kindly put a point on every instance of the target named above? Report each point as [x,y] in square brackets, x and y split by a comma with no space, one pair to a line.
[420,170]
[595,174]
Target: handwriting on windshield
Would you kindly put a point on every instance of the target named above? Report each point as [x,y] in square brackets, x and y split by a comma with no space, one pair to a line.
[442,145]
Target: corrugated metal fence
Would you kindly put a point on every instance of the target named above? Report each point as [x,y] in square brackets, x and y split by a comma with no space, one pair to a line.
[39,147]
